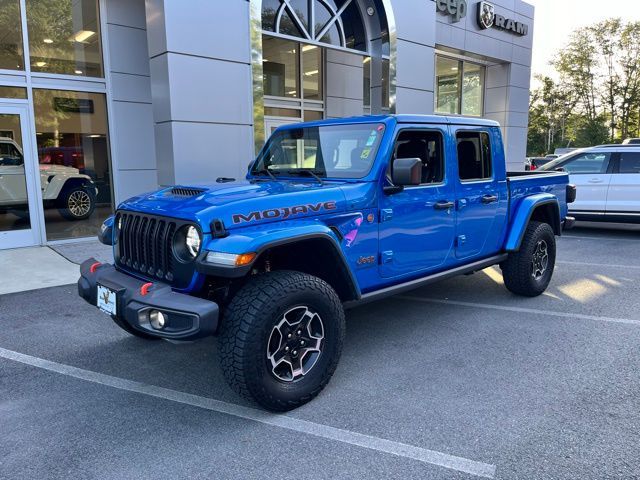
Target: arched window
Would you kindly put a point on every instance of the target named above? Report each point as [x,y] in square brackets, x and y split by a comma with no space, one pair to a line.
[332,22]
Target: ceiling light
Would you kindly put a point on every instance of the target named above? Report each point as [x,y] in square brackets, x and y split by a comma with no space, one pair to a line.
[292,92]
[308,48]
[311,73]
[40,64]
[78,72]
[82,36]
[95,136]
[47,40]
[455,69]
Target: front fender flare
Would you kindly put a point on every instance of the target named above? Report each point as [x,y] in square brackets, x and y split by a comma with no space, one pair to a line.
[261,238]
[523,214]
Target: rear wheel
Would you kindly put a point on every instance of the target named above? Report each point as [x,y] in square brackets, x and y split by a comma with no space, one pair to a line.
[76,203]
[281,339]
[528,271]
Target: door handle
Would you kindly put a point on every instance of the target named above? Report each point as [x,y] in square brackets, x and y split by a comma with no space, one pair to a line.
[596,180]
[444,205]
[489,199]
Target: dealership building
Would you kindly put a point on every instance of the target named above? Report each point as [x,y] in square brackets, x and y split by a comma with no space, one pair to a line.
[104,99]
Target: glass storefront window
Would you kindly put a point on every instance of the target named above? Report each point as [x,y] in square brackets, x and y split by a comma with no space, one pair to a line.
[11,51]
[13,92]
[366,69]
[472,89]
[313,115]
[312,72]
[281,112]
[459,87]
[72,141]
[280,67]
[14,204]
[64,37]
[386,80]
[447,85]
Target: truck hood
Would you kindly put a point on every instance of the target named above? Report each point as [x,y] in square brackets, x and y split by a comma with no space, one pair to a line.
[242,203]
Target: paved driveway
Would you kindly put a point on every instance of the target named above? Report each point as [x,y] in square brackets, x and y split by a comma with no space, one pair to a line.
[456,380]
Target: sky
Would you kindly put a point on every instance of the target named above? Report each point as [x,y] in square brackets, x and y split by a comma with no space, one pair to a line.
[556,19]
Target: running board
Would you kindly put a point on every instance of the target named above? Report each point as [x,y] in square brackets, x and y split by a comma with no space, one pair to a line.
[420,282]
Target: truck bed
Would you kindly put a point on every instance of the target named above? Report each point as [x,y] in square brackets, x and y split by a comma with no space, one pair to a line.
[524,184]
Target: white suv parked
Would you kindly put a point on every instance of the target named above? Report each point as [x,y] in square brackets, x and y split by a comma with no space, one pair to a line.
[63,187]
[607,178]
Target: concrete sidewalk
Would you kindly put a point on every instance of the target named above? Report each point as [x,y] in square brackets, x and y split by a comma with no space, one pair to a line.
[23,269]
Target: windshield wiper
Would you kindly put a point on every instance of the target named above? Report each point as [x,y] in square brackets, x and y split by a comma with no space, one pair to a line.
[267,171]
[306,172]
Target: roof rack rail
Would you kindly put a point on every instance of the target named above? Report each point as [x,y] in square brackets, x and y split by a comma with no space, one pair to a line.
[609,145]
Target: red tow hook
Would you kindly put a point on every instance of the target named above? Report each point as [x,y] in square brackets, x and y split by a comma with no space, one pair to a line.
[144,289]
[94,267]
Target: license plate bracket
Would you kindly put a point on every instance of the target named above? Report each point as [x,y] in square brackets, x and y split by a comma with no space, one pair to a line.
[107,300]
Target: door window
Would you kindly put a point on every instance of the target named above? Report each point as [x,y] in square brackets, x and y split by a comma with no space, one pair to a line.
[630,162]
[594,163]
[14,206]
[474,156]
[428,147]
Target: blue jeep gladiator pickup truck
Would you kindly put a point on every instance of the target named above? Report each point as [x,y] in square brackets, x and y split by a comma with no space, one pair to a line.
[331,214]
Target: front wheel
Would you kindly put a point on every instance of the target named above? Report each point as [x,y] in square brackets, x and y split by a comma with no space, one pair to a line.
[281,339]
[528,271]
[77,203]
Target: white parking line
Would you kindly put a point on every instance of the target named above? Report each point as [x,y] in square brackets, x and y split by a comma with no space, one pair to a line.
[598,264]
[521,310]
[589,237]
[424,455]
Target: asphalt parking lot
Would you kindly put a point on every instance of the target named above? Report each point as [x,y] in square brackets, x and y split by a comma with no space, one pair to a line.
[456,380]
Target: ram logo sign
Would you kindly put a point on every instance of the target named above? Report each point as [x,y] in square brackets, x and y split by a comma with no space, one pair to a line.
[283,213]
[488,18]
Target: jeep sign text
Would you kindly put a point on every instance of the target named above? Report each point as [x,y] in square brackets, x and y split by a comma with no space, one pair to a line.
[456,8]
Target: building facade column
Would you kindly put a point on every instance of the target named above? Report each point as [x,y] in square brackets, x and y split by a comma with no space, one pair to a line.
[201,84]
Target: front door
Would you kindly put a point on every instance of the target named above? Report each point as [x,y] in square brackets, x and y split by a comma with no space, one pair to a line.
[19,217]
[417,225]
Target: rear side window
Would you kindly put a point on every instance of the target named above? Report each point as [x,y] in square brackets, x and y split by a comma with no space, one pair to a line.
[474,156]
[630,162]
[596,162]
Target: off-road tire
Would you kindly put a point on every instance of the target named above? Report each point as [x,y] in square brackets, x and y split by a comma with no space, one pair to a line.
[69,207]
[246,332]
[517,270]
[130,330]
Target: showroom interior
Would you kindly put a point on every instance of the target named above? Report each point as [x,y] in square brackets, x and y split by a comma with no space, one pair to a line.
[101,100]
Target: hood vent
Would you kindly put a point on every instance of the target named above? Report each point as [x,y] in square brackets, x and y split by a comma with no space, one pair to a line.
[186,191]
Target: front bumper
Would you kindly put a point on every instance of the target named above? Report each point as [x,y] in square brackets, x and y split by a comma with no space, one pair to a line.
[188,317]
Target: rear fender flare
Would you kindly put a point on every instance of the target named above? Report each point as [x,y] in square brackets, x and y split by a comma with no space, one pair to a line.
[525,212]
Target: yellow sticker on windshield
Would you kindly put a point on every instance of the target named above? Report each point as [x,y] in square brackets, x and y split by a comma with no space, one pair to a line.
[365,153]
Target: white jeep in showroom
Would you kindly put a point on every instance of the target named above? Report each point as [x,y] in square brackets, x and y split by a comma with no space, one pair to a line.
[64,188]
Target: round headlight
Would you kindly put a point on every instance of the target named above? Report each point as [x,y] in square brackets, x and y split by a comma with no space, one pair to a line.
[193,241]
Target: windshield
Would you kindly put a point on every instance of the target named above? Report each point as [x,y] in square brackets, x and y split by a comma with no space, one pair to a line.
[336,151]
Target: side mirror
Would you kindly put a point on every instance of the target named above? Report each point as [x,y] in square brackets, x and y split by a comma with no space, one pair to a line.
[407,171]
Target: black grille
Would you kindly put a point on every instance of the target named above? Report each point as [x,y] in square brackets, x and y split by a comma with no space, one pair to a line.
[145,246]
[186,191]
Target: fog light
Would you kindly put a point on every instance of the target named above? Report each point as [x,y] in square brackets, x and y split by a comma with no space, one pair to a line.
[157,319]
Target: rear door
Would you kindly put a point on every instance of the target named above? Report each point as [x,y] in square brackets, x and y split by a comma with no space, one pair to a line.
[624,187]
[417,225]
[481,191]
[590,172]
